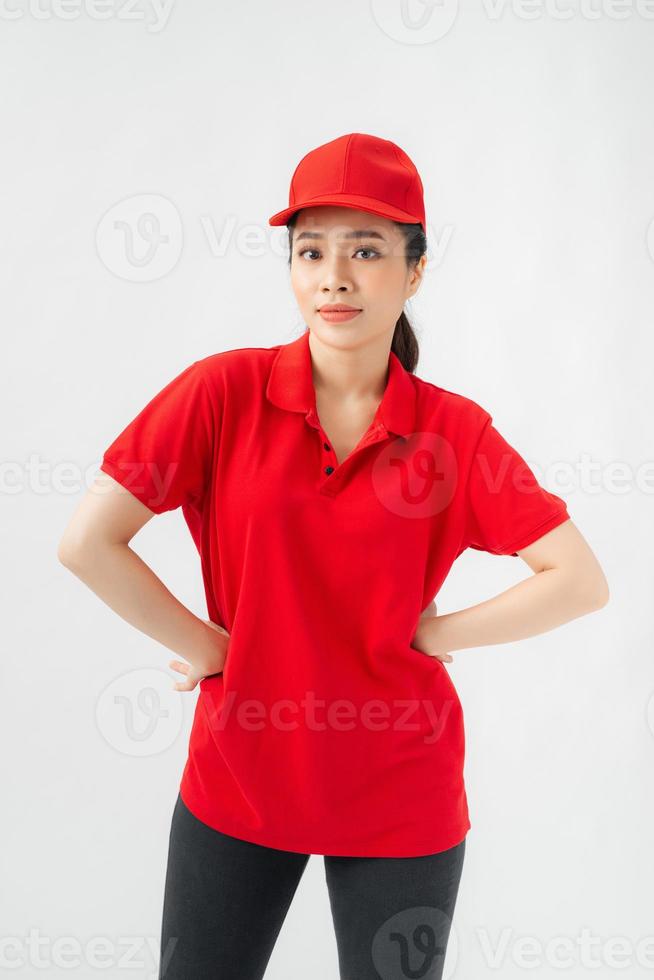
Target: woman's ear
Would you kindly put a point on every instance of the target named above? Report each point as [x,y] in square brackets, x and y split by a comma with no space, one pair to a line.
[417,273]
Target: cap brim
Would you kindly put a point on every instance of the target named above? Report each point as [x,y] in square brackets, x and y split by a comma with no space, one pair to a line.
[357,202]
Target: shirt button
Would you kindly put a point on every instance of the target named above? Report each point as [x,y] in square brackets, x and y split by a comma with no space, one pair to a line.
[326,445]
[329,469]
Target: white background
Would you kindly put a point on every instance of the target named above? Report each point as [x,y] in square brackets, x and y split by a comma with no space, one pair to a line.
[532,129]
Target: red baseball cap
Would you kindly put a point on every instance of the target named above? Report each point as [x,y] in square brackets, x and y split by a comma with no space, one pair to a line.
[357,171]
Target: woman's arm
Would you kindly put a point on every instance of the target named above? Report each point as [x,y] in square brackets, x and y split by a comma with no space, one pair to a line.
[95,547]
[568,583]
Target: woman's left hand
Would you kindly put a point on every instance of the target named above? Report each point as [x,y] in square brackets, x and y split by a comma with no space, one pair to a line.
[420,641]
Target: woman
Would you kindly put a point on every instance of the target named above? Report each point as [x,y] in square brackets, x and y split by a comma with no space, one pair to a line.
[328,490]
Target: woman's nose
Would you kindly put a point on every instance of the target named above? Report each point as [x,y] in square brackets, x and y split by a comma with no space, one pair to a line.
[335,275]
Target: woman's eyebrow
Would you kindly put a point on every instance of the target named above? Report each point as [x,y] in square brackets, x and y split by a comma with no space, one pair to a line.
[363,233]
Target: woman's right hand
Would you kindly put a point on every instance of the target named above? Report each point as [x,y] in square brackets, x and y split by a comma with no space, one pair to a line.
[215,664]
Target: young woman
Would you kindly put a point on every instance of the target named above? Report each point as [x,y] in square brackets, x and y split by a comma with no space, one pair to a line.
[328,490]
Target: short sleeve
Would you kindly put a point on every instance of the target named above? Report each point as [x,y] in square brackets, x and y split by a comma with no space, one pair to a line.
[164,455]
[506,508]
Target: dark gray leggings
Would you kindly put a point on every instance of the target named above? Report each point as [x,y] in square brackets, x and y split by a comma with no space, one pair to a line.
[225,901]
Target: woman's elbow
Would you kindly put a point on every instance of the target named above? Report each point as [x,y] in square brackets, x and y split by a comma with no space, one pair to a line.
[76,545]
[593,590]
[601,595]
[70,552]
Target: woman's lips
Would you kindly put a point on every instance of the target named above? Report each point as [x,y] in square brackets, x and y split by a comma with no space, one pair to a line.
[338,316]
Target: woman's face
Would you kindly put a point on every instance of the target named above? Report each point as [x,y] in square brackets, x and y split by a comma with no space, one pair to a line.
[350,257]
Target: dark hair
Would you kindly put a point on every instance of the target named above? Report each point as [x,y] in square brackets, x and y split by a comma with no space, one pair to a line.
[405,342]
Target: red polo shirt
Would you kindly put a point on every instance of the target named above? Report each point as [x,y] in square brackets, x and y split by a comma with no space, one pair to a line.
[327,732]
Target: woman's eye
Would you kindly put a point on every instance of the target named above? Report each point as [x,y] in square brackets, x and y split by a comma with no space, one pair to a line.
[372,251]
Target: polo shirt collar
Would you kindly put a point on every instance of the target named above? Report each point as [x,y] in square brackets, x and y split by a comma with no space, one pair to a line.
[290,386]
